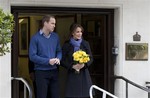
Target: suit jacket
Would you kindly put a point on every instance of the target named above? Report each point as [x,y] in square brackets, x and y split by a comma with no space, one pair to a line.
[77,84]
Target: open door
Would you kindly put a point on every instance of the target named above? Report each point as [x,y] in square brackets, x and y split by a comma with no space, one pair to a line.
[98,25]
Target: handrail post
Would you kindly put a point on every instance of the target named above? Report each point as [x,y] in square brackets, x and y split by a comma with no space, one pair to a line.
[126,89]
[148,86]
[104,95]
[149,93]
[25,91]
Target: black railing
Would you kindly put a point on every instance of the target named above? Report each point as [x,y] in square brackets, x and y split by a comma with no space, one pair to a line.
[147,89]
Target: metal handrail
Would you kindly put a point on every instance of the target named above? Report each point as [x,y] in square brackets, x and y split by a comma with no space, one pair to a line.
[25,85]
[132,83]
[102,90]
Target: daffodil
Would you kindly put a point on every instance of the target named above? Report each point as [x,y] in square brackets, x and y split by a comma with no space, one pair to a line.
[81,57]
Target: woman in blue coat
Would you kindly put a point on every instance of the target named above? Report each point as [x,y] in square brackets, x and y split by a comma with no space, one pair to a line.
[78,84]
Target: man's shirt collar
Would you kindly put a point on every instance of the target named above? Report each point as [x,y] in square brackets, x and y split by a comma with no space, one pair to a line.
[46,36]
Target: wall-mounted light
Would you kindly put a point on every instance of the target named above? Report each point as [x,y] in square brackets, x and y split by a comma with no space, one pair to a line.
[115,52]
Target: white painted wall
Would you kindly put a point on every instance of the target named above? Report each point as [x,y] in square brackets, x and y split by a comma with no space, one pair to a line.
[130,16]
[5,63]
[5,76]
[136,17]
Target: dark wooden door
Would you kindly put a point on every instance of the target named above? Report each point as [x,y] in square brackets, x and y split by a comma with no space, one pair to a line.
[97,32]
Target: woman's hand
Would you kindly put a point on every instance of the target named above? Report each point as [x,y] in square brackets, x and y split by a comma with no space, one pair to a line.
[81,66]
[77,67]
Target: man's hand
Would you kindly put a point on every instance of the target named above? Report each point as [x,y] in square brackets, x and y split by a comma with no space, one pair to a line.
[54,61]
[57,61]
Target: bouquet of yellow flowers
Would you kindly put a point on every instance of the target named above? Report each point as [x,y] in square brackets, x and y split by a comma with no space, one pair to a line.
[80,57]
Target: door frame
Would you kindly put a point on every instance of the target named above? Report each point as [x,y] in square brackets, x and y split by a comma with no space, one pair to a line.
[109,69]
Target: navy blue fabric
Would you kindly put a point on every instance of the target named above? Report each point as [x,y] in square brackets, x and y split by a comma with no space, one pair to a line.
[47,83]
[78,85]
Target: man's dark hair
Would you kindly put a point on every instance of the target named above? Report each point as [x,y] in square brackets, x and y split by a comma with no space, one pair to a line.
[46,18]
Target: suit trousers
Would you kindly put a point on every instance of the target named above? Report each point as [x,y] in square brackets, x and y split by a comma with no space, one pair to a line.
[47,83]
